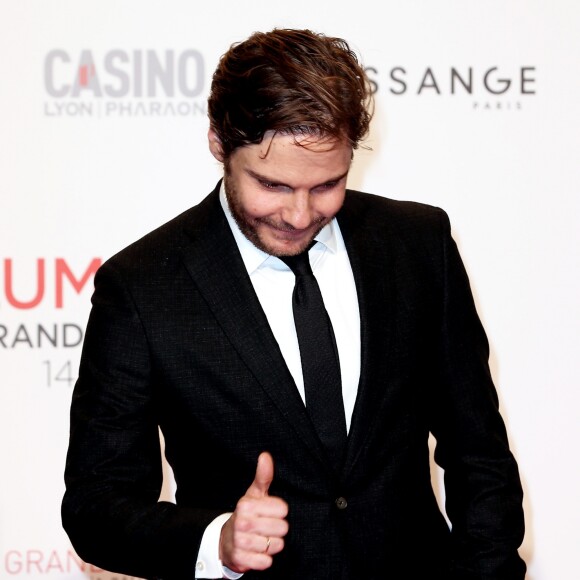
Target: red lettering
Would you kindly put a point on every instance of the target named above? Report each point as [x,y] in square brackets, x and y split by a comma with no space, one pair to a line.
[62,271]
[53,563]
[13,562]
[33,558]
[29,561]
[9,289]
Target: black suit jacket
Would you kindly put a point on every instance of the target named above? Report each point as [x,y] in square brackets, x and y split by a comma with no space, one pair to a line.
[177,338]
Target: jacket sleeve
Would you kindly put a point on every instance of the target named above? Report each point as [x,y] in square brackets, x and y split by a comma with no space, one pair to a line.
[482,485]
[113,471]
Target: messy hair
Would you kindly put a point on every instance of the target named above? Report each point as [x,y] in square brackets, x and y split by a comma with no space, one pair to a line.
[289,81]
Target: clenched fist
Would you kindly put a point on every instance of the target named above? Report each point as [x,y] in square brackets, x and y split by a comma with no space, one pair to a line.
[255,531]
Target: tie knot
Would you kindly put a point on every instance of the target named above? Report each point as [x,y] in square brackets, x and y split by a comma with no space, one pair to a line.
[299,264]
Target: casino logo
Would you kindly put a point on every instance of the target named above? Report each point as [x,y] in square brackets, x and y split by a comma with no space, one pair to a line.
[124,84]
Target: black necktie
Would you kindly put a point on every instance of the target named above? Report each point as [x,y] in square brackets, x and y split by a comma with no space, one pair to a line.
[319,356]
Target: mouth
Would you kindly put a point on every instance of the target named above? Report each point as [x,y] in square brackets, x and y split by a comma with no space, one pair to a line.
[292,233]
[289,231]
[292,236]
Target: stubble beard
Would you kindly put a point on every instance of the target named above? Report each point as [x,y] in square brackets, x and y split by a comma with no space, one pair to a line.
[249,228]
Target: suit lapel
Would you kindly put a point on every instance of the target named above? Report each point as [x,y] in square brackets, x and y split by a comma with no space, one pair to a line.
[216,267]
[369,253]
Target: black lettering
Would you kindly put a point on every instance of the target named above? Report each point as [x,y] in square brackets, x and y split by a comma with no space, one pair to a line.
[525,80]
[43,332]
[506,83]
[468,86]
[374,85]
[425,85]
[22,336]
[398,80]
[67,342]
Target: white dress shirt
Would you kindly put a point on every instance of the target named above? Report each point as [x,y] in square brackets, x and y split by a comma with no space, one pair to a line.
[273,282]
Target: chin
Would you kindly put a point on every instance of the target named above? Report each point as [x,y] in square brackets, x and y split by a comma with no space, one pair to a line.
[286,248]
[275,246]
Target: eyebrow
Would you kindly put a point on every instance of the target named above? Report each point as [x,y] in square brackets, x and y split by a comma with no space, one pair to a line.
[260,177]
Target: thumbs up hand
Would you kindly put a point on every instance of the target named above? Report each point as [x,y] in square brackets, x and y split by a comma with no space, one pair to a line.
[255,531]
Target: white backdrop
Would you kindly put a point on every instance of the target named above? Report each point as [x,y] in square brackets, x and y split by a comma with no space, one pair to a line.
[103,137]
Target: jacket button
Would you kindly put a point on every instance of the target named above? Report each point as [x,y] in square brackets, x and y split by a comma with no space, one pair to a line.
[341,503]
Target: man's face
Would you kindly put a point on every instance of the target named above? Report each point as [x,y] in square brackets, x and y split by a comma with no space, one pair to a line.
[282,194]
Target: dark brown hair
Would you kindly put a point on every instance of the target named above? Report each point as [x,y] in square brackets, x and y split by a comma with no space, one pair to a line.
[290,81]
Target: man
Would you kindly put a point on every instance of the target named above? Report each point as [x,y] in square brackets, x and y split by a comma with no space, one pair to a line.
[295,407]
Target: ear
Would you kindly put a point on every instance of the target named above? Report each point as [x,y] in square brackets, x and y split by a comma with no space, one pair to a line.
[215,145]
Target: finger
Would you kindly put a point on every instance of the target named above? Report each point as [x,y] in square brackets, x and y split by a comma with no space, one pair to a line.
[265,507]
[263,478]
[258,544]
[275,547]
[243,561]
[262,526]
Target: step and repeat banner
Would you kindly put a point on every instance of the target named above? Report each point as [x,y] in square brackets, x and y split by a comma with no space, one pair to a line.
[103,137]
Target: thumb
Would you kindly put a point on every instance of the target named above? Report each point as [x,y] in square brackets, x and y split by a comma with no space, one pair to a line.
[263,478]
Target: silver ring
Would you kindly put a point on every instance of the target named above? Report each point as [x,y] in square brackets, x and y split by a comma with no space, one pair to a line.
[268,541]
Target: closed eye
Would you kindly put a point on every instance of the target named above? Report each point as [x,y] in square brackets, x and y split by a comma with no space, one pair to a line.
[268,184]
[326,186]
[273,185]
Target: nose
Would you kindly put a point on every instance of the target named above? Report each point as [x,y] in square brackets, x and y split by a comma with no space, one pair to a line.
[298,211]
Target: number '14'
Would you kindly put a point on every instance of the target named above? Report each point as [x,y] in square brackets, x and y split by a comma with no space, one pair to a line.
[55,375]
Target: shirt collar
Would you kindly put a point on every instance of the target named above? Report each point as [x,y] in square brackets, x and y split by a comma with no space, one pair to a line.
[254,258]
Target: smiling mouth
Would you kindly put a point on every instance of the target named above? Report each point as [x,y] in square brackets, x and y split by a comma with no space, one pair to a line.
[289,229]
[293,235]
[292,231]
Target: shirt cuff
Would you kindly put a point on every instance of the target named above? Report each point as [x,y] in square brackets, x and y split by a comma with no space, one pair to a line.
[208,563]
